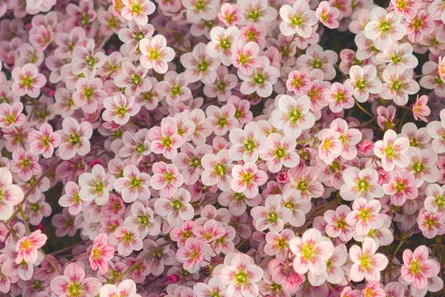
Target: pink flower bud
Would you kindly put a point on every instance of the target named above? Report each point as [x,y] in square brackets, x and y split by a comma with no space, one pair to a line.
[383,176]
[41,226]
[365,147]
[96,161]
[173,278]
[282,177]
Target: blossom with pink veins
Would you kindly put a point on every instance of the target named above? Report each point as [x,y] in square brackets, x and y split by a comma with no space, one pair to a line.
[126,288]
[365,215]
[44,141]
[311,251]
[96,185]
[241,275]
[247,178]
[137,10]
[392,150]
[176,209]
[297,19]
[273,215]
[27,81]
[73,283]
[27,247]
[367,263]
[101,253]
[133,184]
[361,183]
[292,115]
[25,164]
[155,54]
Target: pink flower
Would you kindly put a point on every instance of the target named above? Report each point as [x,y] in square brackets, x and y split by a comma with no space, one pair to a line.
[137,10]
[96,185]
[279,151]
[135,146]
[367,264]
[328,15]
[71,198]
[25,164]
[86,60]
[133,184]
[166,179]
[292,115]
[11,194]
[101,253]
[200,66]
[75,138]
[27,247]
[392,150]
[119,109]
[165,139]
[74,284]
[421,109]
[330,145]
[11,115]
[192,255]
[156,54]
[127,240]
[247,178]
[126,288]
[273,215]
[298,19]
[417,268]
[365,215]
[230,14]
[361,183]
[44,141]
[27,80]
[217,169]
[89,94]
[311,251]
[336,223]
[240,274]
[364,82]
[176,208]
[245,57]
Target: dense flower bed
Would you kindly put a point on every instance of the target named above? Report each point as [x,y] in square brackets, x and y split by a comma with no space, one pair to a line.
[202,148]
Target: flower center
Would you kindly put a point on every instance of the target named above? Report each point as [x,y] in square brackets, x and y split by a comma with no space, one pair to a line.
[415,267]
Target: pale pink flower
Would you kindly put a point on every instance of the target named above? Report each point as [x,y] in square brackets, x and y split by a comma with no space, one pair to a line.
[293,115]
[398,86]
[328,15]
[241,275]
[422,164]
[222,119]
[11,115]
[101,253]
[199,65]
[142,218]
[73,283]
[119,109]
[133,184]
[132,79]
[279,151]
[44,141]
[304,180]
[365,215]
[75,138]
[317,58]
[298,82]
[435,198]
[197,11]
[174,88]
[391,150]
[431,224]
[86,60]
[137,10]
[217,169]
[71,198]
[96,185]
[340,97]
[27,80]
[192,255]
[297,19]
[261,80]
[417,268]
[156,54]
[25,164]
[165,139]
[334,273]
[336,223]
[176,208]
[273,215]
[245,56]
[166,179]
[127,288]
[330,145]
[420,108]
[221,42]
[401,187]
[127,240]
[230,15]
[383,27]
[247,178]
[364,80]
[11,194]
[367,263]
[27,247]
[89,94]
[361,183]
[311,251]
[135,146]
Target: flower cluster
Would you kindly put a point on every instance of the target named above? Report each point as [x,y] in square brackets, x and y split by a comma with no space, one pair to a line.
[215,148]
